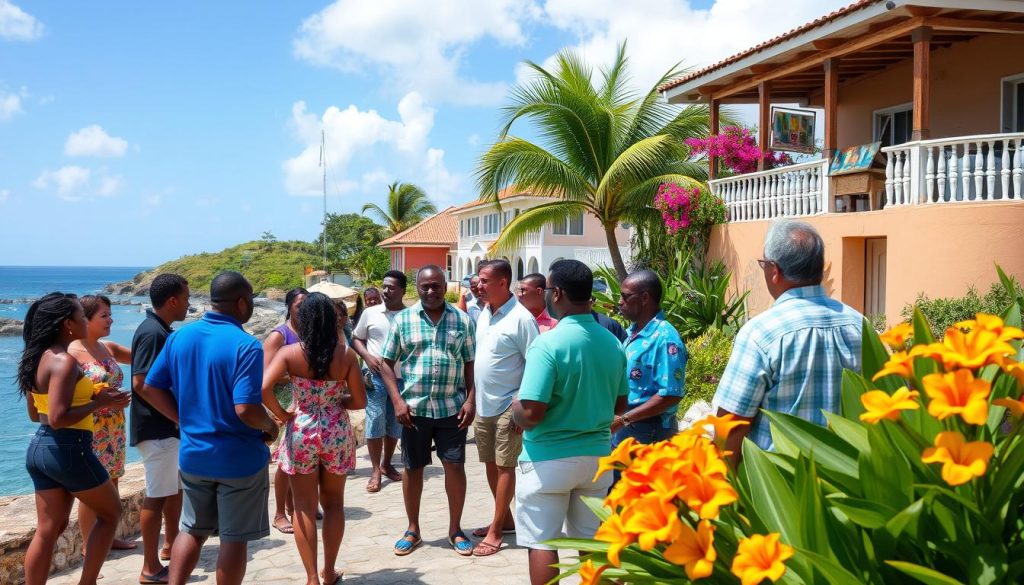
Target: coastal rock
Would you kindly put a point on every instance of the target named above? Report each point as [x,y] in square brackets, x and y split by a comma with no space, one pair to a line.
[266,315]
[10,327]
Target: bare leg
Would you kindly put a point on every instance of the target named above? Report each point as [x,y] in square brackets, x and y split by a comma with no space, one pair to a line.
[53,507]
[282,499]
[390,443]
[106,504]
[149,522]
[375,446]
[172,517]
[506,490]
[304,496]
[455,488]
[541,569]
[86,520]
[186,555]
[332,498]
[231,562]
[412,492]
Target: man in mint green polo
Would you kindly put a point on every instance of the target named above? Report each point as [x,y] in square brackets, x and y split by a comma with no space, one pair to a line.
[573,386]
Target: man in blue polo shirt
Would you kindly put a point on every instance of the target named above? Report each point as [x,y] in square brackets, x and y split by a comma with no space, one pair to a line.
[655,363]
[208,377]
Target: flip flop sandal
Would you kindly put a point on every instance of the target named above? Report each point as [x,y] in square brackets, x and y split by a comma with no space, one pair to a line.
[463,547]
[482,532]
[283,525]
[395,475]
[165,554]
[373,486]
[158,579]
[405,546]
[485,549]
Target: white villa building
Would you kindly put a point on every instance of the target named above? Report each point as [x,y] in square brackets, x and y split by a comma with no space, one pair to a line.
[580,237]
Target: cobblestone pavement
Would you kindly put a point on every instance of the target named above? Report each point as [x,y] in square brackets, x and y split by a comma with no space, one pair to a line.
[374,523]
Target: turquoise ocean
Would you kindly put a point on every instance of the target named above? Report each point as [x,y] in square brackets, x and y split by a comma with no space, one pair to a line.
[25,283]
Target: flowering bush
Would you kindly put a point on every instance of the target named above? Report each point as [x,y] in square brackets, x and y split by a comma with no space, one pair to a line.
[689,214]
[917,480]
[738,150]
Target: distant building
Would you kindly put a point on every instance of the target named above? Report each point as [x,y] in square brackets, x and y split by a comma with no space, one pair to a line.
[431,241]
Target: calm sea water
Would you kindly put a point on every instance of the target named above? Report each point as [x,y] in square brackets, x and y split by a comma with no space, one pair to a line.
[21,283]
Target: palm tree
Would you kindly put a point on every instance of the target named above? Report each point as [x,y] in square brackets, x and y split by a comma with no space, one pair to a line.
[604,149]
[407,206]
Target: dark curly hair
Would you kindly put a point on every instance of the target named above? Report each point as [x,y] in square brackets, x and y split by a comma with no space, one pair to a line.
[43,323]
[289,299]
[318,332]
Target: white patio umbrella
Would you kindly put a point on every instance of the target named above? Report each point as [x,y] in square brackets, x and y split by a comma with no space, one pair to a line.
[335,292]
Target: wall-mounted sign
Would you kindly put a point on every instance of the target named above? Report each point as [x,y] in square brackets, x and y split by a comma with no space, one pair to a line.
[854,159]
[792,130]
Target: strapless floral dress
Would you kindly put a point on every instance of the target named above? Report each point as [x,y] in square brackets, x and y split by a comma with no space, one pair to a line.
[320,432]
[108,436]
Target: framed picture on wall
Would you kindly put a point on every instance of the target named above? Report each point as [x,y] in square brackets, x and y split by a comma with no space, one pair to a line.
[792,130]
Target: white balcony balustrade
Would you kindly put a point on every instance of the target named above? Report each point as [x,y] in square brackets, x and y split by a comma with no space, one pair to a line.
[792,191]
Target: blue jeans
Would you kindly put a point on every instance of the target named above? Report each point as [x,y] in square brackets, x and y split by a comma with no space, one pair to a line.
[644,432]
[63,458]
[380,412]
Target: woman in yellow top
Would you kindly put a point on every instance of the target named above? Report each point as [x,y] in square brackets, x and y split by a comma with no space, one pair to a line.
[60,459]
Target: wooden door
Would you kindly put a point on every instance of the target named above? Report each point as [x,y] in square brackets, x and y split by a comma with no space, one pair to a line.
[874,276]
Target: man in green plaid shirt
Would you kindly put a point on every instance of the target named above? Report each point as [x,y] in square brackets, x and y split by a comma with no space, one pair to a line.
[435,344]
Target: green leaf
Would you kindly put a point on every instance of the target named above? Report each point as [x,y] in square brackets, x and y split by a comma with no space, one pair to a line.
[854,385]
[830,450]
[873,357]
[988,564]
[923,574]
[583,544]
[771,497]
[597,506]
[1006,479]
[811,513]
[922,328]
[863,512]
[885,472]
[906,521]
[832,571]
[853,433]
[1009,285]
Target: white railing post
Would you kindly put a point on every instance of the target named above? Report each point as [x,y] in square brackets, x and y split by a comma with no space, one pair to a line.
[929,175]
[1018,171]
[990,171]
[1004,170]
[940,176]
[916,177]
[954,168]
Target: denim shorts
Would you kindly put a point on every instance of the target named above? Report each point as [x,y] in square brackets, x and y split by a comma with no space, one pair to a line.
[380,412]
[63,458]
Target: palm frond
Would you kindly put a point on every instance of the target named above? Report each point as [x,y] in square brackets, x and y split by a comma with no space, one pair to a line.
[531,168]
[380,216]
[533,220]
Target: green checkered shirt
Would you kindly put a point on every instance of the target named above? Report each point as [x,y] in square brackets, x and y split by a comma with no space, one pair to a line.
[433,357]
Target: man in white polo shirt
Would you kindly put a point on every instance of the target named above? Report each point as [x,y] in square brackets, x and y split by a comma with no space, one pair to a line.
[504,331]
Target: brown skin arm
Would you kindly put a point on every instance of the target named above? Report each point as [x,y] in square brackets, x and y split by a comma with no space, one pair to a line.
[274,371]
[468,411]
[271,346]
[122,354]
[60,388]
[528,413]
[735,441]
[621,404]
[255,416]
[356,399]
[387,375]
[373,362]
[653,407]
[160,399]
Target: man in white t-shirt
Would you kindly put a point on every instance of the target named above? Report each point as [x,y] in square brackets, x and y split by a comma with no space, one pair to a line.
[382,429]
[504,331]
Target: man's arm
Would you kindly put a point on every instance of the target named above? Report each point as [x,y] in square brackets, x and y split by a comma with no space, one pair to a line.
[159,398]
[528,413]
[734,442]
[468,410]
[154,383]
[248,396]
[372,362]
[741,390]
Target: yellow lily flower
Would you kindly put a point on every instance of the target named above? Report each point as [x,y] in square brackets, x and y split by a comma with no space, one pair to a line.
[900,364]
[880,405]
[761,557]
[589,574]
[613,532]
[961,461]
[653,520]
[898,335]
[622,455]
[1016,407]
[694,550]
[974,349]
[960,393]
[992,323]
[706,494]
[721,427]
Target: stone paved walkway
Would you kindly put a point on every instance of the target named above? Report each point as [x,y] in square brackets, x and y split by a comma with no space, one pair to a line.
[374,522]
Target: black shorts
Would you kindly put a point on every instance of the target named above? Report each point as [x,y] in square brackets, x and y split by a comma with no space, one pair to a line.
[63,458]
[442,432]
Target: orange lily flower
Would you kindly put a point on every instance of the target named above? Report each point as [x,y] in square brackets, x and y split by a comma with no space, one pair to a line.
[622,455]
[706,494]
[761,557]
[961,461]
[721,427]
[898,335]
[960,393]
[589,574]
[653,520]
[694,550]
[900,364]
[1016,370]
[880,405]
[974,349]
[613,532]
[992,323]
[1016,407]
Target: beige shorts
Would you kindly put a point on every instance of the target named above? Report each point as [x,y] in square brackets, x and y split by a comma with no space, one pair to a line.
[160,460]
[549,500]
[495,440]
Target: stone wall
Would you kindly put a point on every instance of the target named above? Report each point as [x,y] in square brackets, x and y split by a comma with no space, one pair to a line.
[19,521]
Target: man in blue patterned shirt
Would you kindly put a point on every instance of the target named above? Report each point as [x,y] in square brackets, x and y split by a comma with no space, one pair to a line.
[791,357]
[655,363]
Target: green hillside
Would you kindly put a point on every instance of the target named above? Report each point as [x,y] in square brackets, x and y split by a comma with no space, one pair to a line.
[265,264]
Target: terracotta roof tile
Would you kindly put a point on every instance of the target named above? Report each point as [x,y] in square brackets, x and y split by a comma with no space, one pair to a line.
[441,229]
[769,43]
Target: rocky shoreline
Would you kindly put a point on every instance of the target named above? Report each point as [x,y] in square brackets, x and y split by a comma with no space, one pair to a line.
[10,327]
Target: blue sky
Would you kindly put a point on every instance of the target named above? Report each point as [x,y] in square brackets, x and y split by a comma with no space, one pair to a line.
[135,132]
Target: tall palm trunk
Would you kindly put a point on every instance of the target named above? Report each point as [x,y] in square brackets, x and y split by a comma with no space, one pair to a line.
[613,249]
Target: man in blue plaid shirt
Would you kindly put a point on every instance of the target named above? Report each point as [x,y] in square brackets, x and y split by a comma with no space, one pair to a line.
[435,343]
[791,357]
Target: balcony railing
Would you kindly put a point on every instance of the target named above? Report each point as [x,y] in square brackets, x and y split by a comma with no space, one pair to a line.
[955,170]
[793,191]
[531,239]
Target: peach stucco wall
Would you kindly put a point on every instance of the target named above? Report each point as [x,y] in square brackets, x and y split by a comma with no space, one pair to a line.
[939,250]
[415,258]
[965,90]
[593,235]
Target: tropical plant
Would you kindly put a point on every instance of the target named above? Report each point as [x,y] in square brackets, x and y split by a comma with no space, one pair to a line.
[407,206]
[697,296]
[708,355]
[918,479]
[943,312]
[689,215]
[738,150]
[604,149]
[352,245]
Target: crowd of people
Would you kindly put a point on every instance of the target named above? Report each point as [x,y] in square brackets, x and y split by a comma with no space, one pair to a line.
[548,386]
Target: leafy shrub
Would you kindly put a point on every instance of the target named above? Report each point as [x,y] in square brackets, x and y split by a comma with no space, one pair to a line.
[943,312]
[708,355]
[451,297]
[697,297]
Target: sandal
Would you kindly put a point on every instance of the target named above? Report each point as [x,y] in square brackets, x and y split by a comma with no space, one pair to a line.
[373,486]
[463,547]
[122,544]
[482,532]
[393,474]
[165,554]
[161,577]
[485,549]
[284,525]
[405,546]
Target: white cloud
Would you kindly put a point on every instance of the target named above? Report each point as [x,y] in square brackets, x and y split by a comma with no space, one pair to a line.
[18,25]
[416,45]
[663,32]
[94,141]
[349,132]
[444,186]
[109,186]
[10,105]
[69,181]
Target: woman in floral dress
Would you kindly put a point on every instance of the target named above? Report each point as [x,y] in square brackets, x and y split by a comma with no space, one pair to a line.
[318,447]
[99,360]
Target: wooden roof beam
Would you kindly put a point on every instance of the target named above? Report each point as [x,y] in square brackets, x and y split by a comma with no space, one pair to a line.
[982,26]
[822,44]
[818,57]
[923,10]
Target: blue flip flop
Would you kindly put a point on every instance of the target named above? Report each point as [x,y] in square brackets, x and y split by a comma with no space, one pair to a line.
[464,547]
[404,547]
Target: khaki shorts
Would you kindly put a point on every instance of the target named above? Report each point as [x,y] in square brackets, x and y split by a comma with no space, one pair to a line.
[549,500]
[495,440]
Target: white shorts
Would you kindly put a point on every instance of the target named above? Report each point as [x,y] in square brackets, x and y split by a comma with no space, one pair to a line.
[160,460]
[549,501]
